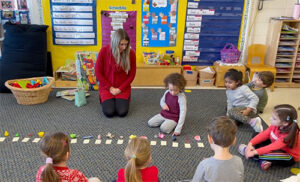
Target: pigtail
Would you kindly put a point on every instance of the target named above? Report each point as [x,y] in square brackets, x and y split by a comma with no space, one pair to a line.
[49,175]
[291,139]
[132,174]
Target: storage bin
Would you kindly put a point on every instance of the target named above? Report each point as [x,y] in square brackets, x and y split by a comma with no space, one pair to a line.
[206,82]
[190,77]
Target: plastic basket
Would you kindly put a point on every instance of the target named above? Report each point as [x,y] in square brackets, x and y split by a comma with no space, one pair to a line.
[33,95]
[230,54]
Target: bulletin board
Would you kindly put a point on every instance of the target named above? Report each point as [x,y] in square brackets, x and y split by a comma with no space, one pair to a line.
[209,26]
[114,20]
[74,22]
[14,11]
[159,23]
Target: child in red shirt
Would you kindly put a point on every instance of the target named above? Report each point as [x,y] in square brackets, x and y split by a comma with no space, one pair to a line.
[138,155]
[56,148]
[280,143]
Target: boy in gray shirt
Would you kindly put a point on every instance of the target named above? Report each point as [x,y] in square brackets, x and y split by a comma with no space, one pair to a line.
[223,166]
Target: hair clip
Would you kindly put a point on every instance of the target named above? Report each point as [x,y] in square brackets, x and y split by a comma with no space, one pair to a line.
[64,142]
[288,118]
[49,160]
[295,120]
[133,157]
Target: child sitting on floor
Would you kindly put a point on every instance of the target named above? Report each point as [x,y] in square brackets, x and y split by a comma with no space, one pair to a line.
[173,104]
[138,155]
[241,101]
[262,80]
[280,143]
[56,148]
[223,166]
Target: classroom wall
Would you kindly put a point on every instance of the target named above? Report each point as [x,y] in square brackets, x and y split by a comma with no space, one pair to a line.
[271,8]
[61,53]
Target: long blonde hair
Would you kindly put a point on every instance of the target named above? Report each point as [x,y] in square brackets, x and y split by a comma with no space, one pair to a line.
[138,154]
[55,146]
[124,57]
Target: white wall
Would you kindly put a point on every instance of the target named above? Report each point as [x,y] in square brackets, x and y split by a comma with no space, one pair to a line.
[271,8]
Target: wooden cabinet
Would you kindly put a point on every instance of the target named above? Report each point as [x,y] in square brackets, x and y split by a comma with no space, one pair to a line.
[282,51]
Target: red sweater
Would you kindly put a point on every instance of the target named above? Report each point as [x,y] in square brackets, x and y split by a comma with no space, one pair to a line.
[109,74]
[277,138]
[149,174]
[66,174]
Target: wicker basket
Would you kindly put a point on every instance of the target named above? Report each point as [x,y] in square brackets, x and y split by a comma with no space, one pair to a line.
[33,95]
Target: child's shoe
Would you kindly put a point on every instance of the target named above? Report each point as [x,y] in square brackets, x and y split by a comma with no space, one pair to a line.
[242,149]
[265,165]
[256,124]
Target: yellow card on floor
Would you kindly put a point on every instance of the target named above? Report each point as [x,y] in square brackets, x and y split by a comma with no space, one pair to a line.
[175,144]
[2,139]
[200,144]
[187,145]
[188,91]
[97,141]
[25,139]
[108,142]
[36,140]
[74,140]
[15,139]
[86,141]
[120,142]
[163,143]
[153,143]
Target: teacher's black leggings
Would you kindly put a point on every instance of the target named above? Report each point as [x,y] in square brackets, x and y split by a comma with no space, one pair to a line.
[112,107]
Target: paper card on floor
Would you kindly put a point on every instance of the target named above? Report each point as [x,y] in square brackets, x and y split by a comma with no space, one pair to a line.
[120,142]
[15,139]
[86,141]
[187,145]
[2,139]
[74,140]
[97,141]
[200,144]
[175,144]
[36,140]
[153,143]
[108,142]
[25,139]
[163,143]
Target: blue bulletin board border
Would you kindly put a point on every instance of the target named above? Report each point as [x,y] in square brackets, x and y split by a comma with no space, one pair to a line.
[150,39]
[93,4]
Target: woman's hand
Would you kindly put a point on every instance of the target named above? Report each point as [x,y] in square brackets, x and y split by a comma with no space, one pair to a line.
[176,133]
[114,91]
[165,107]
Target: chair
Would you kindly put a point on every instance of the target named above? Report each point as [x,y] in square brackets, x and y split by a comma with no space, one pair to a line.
[258,51]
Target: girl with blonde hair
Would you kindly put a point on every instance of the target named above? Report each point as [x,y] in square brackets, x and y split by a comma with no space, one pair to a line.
[137,168]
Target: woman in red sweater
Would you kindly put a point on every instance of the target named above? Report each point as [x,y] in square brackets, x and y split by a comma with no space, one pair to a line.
[280,143]
[115,70]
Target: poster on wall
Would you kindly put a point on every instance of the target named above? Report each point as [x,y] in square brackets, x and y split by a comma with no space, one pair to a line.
[15,11]
[209,26]
[73,22]
[114,20]
[159,23]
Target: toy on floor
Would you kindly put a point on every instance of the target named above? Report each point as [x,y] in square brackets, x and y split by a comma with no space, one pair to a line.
[87,137]
[109,135]
[174,138]
[41,134]
[144,137]
[99,137]
[30,134]
[161,136]
[17,135]
[295,171]
[121,137]
[28,84]
[6,134]
[197,138]
[132,137]
[72,135]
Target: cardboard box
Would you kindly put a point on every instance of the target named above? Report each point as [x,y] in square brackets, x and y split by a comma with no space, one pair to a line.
[207,73]
[206,82]
[190,77]
[60,83]
[222,69]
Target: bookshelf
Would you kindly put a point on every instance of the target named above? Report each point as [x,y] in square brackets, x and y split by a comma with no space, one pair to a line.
[283,51]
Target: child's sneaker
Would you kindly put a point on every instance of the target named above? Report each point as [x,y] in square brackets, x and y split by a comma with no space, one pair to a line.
[242,149]
[256,124]
[265,165]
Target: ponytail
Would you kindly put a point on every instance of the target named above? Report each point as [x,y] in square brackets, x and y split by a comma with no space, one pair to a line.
[292,137]
[132,174]
[49,175]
